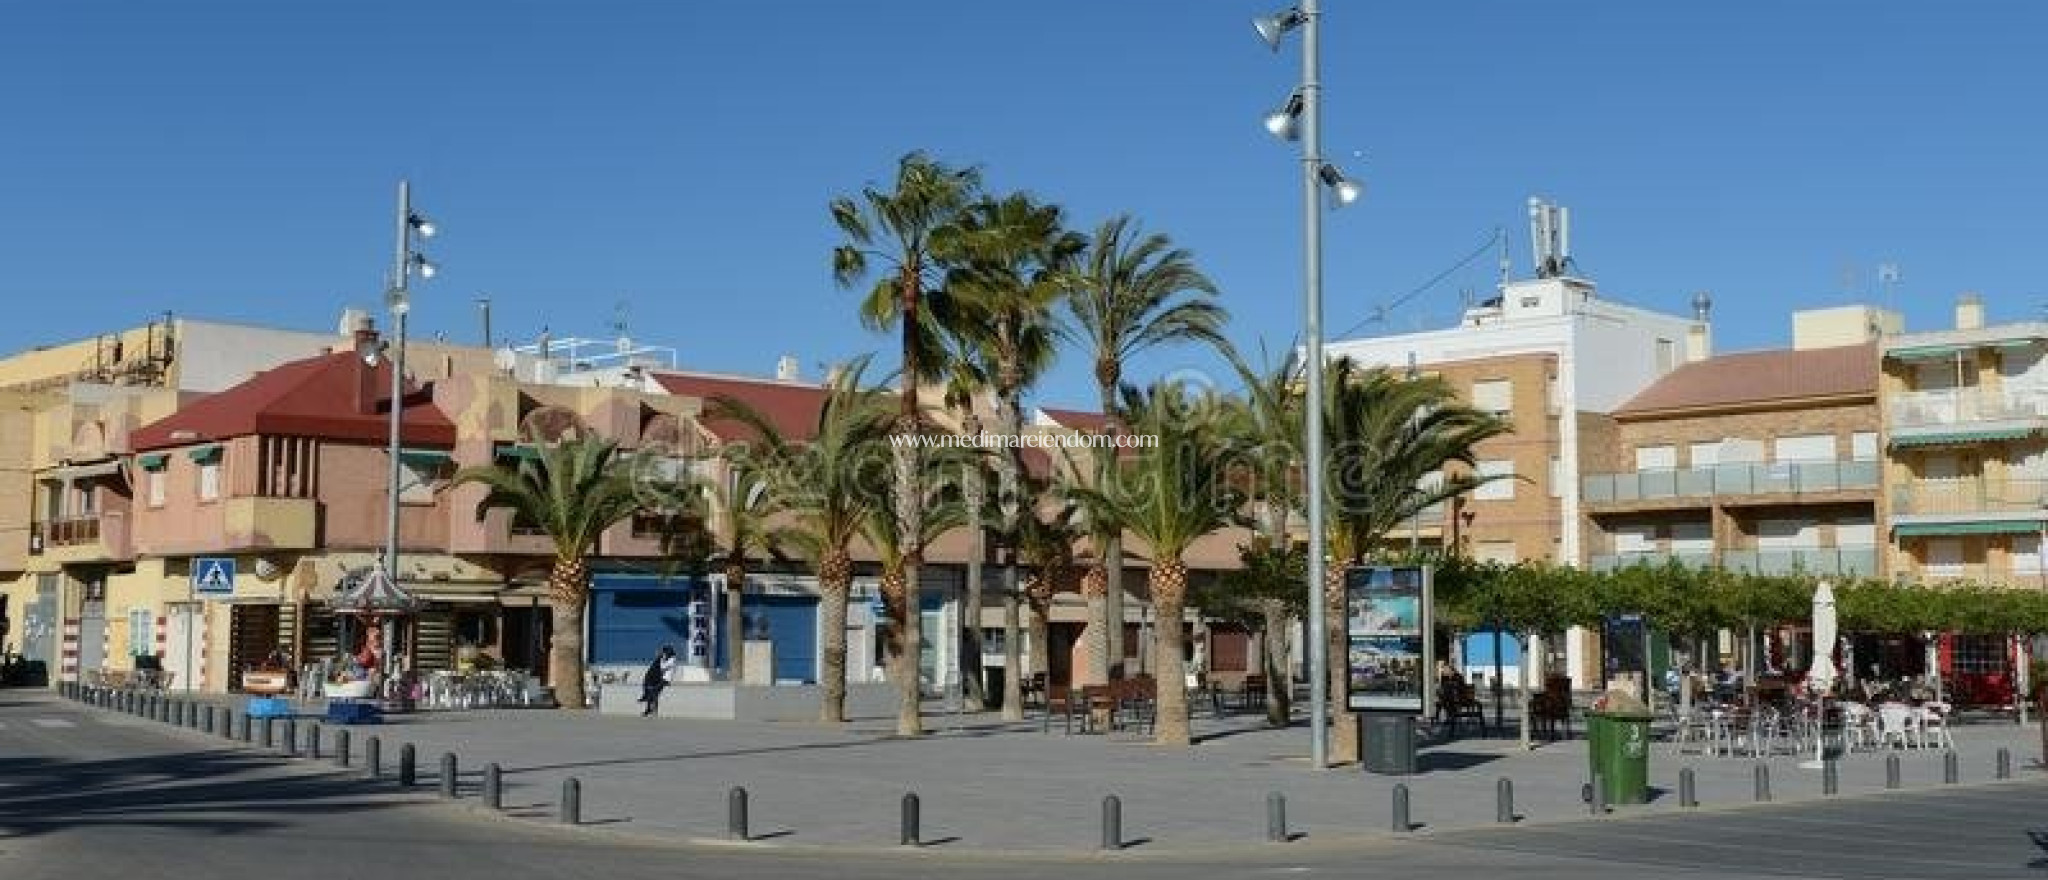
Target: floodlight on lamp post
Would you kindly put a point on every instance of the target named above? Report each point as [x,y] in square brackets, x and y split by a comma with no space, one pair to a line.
[406,262]
[1301,119]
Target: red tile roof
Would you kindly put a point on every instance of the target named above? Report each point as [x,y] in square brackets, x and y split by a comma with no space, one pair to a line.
[332,397]
[1077,420]
[1761,377]
[792,408]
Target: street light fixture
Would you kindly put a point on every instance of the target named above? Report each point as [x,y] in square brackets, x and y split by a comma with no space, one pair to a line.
[407,262]
[1301,118]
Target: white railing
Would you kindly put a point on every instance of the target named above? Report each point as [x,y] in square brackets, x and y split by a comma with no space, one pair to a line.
[1962,406]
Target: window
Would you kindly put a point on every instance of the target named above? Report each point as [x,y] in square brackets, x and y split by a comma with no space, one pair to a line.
[1855,533]
[1554,394]
[141,632]
[1692,537]
[1776,534]
[1807,447]
[1705,455]
[1944,558]
[1635,539]
[1977,653]
[1500,481]
[1667,355]
[1656,458]
[1496,396]
[1502,552]
[154,485]
[1863,446]
[2026,554]
[209,481]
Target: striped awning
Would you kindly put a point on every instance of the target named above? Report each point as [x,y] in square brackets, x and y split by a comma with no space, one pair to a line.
[1956,438]
[1967,527]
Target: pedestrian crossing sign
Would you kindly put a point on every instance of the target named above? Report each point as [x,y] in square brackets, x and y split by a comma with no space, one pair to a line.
[213,576]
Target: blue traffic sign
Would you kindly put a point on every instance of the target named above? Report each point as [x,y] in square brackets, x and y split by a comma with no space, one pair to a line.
[213,575]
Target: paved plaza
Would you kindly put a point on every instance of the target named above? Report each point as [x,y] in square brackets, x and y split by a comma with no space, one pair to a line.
[990,786]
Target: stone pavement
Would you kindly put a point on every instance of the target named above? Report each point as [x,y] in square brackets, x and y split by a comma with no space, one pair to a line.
[987,785]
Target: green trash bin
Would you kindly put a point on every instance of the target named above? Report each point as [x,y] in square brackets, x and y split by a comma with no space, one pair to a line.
[1618,748]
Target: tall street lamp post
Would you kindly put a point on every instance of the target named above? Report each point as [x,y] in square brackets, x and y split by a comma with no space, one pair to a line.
[408,261]
[1301,118]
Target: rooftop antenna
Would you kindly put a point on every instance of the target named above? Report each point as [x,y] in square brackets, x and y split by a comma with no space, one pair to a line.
[1550,237]
[1507,264]
[1888,278]
[620,325]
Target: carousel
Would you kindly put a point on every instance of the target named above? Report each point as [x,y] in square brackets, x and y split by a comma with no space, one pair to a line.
[371,673]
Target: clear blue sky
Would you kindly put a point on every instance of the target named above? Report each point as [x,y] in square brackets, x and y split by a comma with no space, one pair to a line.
[236,160]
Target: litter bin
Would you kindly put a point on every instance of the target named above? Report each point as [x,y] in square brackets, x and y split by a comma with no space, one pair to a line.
[1387,743]
[1618,747]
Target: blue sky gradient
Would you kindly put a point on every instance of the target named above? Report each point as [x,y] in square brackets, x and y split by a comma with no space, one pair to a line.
[236,160]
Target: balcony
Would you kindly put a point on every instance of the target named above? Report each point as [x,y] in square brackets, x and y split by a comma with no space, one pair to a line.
[87,538]
[1651,558]
[1730,480]
[1849,561]
[1994,412]
[1970,496]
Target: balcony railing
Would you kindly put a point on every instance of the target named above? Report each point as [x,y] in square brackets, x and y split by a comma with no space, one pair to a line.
[1652,558]
[69,531]
[1980,495]
[1781,478]
[1963,406]
[1856,561]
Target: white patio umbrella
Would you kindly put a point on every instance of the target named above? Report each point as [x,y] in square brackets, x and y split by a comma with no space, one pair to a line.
[1820,675]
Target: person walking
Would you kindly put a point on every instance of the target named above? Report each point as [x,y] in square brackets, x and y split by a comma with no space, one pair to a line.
[656,678]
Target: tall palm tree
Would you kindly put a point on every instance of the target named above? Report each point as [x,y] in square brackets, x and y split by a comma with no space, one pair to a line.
[903,228]
[573,491]
[1009,257]
[964,383]
[1169,496]
[1129,292]
[1045,539]
[943,512]
[1391,442]
[743,508]
[829,486]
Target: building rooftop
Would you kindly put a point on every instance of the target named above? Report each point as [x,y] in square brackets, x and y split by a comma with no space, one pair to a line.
[792,407]
[1760,377]
[333,396]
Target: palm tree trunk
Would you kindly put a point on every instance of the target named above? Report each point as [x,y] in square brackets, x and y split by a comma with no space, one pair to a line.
[1041,636]
[1013,653]
[1343,727]
[835,577]
[568,592]
[1095,644]
[909,689]
[1279,679]
[735,619]
[1169,583]
[1112,558]
[969,641]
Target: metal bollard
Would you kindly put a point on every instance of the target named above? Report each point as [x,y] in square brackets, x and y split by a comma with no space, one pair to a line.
[291,737]
[448,775]
[341,747]
[268,741]
[735,812]
[1951,772]
[373,756]
[908,835]
[2004,763]
[313,741]
[1763,783]
[572,801]
[1688,788]
[246,731]
[209,719]
[1276,817]
[1830,778]
[494,787]
[1400,822]
[1112,823]
[1504,801]
[1891,771]
[1597,804]
[407,771]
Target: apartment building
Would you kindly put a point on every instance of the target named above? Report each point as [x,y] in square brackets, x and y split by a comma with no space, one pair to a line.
[1763,461]
[1966,451]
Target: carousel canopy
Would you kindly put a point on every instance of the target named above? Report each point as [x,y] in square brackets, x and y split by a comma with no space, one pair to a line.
[372,591]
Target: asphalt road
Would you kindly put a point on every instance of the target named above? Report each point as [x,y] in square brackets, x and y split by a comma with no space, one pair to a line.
[89,794]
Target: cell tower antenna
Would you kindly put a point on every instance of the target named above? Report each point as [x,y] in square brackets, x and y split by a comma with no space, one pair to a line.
[1507,264]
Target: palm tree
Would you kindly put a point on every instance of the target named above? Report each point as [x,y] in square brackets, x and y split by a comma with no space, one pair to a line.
[964,382]
[1129,292]
[902,227]
[1389,439]
[829,486]
[1009,256]
[1169,496]
[573,491]
[743,508]
[1269,426]
[1045,540]
[943,512]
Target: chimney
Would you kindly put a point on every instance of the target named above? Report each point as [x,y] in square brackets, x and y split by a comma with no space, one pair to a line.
[1699,339]
[1969,312]
[787,370]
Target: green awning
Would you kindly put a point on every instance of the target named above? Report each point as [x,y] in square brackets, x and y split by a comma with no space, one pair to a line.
[1967,527]
[422,459]
[2016,343]
[1923,352]
[1953,438]
[514,454]
[205,454]
[152,461]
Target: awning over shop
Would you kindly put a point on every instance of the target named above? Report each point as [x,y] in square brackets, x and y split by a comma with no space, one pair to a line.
[1955,438]
[207,454]
[153,461]
[1968,527]
[1925,352]
[517,453]
[424,459]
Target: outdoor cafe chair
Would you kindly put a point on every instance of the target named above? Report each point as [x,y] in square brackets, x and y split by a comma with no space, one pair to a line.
[1859,727]
[1932,721]
[1895,726]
